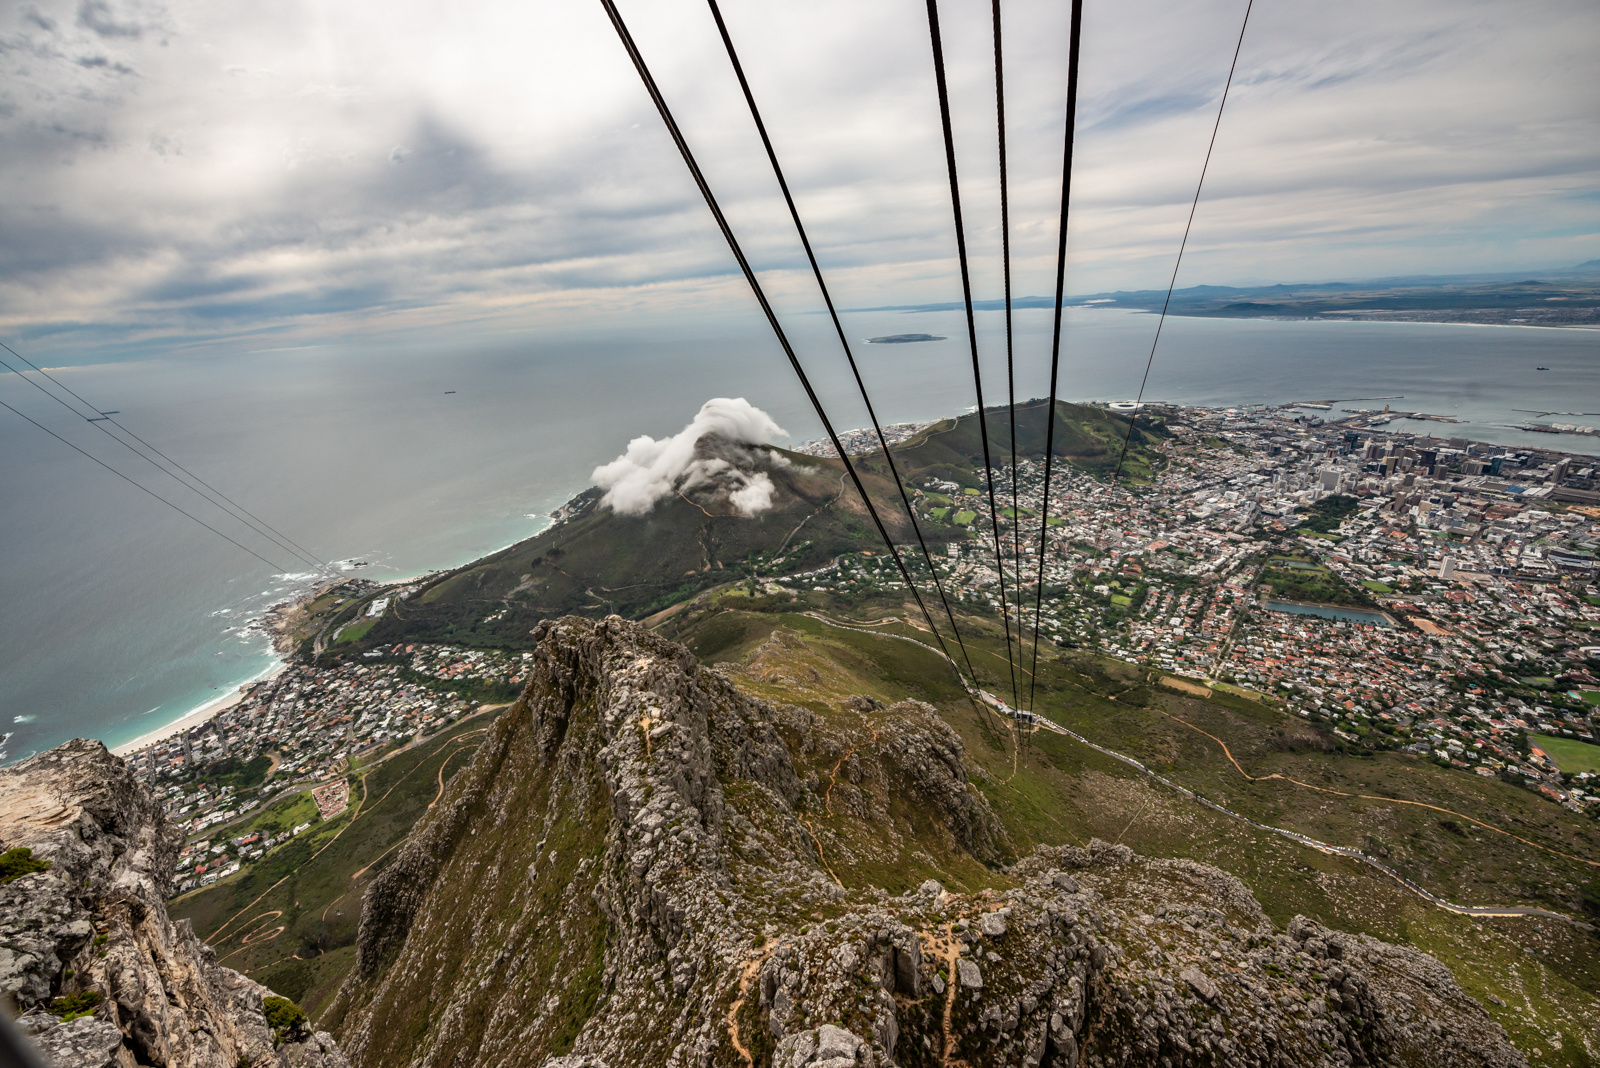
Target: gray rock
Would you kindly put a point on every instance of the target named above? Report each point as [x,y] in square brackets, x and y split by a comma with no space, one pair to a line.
[87,1042]
[111,850]
[691,878]
[969,975]
[1199,983]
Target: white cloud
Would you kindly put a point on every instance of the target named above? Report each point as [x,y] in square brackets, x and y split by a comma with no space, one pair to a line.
[196,170]
[652,469]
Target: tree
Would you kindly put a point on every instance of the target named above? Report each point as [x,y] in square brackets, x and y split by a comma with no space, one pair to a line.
[287,1020]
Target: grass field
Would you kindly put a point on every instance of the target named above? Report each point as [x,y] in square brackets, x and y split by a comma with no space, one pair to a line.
[355,631]
[964,517]
[1546,972]
[1570,755]
[289,920]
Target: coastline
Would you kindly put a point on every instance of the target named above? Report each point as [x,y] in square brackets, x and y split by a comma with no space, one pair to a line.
[196,716]
[277,623]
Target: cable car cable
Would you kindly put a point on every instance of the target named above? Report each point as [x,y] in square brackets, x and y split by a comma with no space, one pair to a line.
[151,492]
[96,424]
[761,298]
[827,297]
[1005,260]
[1076,34]
[1134,415]
[972,327]
[265,529]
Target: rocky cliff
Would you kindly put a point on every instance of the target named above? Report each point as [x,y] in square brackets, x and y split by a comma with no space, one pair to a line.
[88,954]
[630,873]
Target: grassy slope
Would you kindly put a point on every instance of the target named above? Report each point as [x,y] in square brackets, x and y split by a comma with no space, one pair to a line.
[551,919]
[1546,972]
[319,904]
[599,562]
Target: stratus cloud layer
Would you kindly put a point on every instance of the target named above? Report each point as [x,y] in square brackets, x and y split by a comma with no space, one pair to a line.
[187,169]
[652,469]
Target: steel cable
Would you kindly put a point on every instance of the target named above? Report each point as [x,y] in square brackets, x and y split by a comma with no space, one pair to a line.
[844,341]
[146,489]
[1139,400]
[972,327]
[99,419]
[1075,36]
[269,532]
[1005,264]
[761,298]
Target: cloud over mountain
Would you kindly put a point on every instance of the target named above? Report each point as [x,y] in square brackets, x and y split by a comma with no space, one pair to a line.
[711,453]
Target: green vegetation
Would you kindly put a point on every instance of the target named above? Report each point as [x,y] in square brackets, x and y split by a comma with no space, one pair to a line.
[1297,579]
[351,632]
[303,900]
[1570,755]
[15,863]
[286,1019]
[1325,516]
[71,1006]
[241,775]
[1377,587]
[964,517]
[1591,697]
[938,513]
[1057,791]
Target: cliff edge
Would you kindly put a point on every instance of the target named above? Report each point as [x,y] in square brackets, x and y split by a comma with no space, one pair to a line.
[89,959]
[628,873]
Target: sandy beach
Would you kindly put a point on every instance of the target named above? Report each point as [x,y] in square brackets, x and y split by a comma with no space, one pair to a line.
[198,716]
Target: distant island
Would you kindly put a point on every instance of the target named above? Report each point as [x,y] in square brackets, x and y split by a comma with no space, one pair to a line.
[902,339]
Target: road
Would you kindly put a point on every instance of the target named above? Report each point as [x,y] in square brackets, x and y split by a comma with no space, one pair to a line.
[1295,836]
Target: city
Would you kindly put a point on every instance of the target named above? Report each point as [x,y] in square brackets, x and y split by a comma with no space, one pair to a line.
[1401,592]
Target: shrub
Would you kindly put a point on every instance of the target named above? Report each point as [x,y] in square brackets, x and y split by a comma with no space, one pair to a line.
[71,1006]
[286,1019]
[15,863]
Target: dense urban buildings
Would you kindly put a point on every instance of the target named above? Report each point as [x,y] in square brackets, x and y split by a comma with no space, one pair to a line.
[1403,591]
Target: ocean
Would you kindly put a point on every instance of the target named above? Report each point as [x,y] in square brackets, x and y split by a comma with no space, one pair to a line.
[118,616]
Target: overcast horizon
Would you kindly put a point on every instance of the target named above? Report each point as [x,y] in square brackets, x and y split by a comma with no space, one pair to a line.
[193,178]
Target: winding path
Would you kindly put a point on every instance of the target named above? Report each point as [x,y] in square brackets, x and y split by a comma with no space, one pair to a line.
[1295,836]
[1321,846]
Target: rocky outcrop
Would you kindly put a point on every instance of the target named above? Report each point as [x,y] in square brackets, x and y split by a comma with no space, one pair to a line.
[94,926]
[629,874]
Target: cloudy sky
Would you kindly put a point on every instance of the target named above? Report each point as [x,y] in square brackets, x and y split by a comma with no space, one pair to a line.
[189,174]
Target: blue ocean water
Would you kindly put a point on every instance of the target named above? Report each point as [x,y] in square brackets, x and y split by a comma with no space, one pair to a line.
[118,615]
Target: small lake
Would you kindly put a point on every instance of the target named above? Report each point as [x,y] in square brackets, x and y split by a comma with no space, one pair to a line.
[1329,611]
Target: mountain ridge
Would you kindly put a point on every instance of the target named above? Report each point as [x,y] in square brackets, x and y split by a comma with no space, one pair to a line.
[700,922]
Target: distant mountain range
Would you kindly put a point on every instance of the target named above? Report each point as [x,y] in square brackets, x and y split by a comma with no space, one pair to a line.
[1563,297]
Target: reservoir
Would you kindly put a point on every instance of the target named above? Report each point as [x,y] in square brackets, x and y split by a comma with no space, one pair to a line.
[1330,611]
